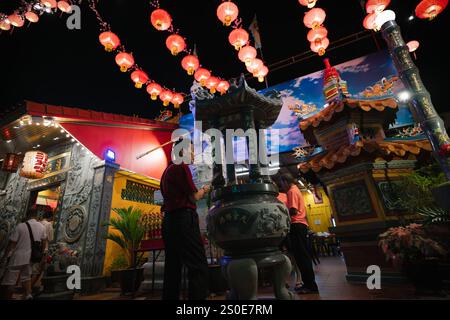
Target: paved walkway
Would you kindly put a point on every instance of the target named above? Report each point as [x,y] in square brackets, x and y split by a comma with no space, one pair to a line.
[330,277]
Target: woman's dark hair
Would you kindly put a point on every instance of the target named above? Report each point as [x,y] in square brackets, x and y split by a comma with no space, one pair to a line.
[287,178]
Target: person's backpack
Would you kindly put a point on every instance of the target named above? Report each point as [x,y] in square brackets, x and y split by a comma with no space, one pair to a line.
[36,247]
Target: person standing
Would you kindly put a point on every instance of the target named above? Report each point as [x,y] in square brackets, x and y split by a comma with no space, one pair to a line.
[181,234]
[298,235]
[19,253]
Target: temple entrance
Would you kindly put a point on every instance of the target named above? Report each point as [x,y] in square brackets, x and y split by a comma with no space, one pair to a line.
[45,200]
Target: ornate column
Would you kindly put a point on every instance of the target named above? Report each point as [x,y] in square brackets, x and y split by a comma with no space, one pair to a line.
[422,107]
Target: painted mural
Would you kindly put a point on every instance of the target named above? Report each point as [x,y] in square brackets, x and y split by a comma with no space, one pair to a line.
[370,76]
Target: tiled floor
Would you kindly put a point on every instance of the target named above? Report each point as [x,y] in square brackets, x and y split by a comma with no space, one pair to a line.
[330,277]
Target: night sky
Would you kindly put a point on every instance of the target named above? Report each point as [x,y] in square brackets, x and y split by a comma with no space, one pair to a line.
[48,63]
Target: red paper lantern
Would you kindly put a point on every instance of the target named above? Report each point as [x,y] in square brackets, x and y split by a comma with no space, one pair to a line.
[5,25]
[49,3]
[369,21]
[413,45]
[223,86]
[211,84]
[124,61]
[34,165]
[314,18]
[109,40]
[31,16]
[255,65]
[261,73]
[190,63]
[161,19]
[64,6]
[429,9]
[166,97]
[238,38]
[16,20]
[227,12]
[201,75]
[11,162]
[247,54]
[318,33]
[154,90]
[139,77]
[177,100]
[175,44]
[308,3]
[376,6]
[320,45]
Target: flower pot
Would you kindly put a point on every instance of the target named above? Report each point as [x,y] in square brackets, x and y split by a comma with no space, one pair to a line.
[130,280]
[425,275]
[55,287]
[441,196]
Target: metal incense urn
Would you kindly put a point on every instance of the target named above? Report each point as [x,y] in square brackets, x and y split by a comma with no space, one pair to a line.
[245,219]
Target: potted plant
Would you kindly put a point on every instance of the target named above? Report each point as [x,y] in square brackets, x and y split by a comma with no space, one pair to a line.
[415,253]
[58,259]
[129,236]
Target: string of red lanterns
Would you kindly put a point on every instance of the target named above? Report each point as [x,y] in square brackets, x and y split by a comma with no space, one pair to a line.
[318,35]
[111,42]
[176,44]
[227,13]
[373,9]
[32,11]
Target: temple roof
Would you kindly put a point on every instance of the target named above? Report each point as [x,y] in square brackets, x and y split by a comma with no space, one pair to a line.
[337,106]
[394,148]
[240,97]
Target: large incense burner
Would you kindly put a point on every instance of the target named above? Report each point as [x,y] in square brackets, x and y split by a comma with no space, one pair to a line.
[245,219]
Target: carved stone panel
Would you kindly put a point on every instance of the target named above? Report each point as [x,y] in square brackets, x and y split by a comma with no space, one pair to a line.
[75,223]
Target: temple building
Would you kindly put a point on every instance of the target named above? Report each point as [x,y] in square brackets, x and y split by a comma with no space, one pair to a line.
[360,166]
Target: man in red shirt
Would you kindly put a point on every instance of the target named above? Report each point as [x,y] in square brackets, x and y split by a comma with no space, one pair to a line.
[298,235]
[181,234]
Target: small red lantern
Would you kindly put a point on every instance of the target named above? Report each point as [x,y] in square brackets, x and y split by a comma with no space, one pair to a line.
[139,77]
[376,6]
[369,21]
[175,44]
[223,86]
[64,6]
[190,63]
[211,84]
[166,97]
[314,18]
[255,65]
[318,33]
[31,16]
[161,19]
[154,90]
[109,40]
[124,61]
[34,165]
[238,38]
[5,25]
[201,75]
[320,45]
[413,45]
[49,3]
[177,100]
[429,9]
[16,20]
[247,54]
[227,12]
[11,162]
[308,3]
[261,73]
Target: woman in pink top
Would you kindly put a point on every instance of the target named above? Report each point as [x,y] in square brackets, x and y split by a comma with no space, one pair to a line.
[298,235]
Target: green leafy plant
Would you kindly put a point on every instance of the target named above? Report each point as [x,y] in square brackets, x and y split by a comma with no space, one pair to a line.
[119,263]
[434,215]
[409,244]
[131,232]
